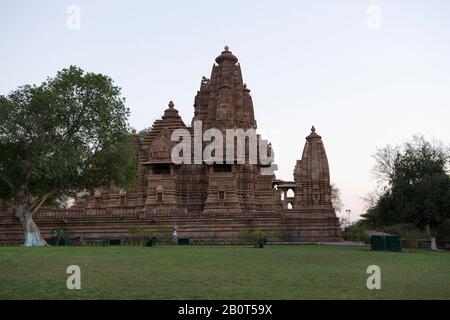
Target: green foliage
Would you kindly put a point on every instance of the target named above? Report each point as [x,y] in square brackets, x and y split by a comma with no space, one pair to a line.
[140,233]
[67,135]
[444,231]
[409,233]
[413,234]
[57,232]
[257,236]
[412,237]
[162,233]
[418,186]
[65,235]
[336,198]
[356,233]
[403,230]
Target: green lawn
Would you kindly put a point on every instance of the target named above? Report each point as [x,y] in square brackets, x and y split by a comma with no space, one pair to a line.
[221,272]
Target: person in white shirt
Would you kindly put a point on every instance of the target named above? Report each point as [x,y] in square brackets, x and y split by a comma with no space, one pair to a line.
[174,235]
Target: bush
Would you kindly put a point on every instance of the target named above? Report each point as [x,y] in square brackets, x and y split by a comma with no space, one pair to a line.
[409,233]
[141,234]
[259,237]
[411,237]
[163,233]
[357,233]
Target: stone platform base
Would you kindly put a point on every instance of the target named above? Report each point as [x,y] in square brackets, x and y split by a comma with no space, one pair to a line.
[200,228]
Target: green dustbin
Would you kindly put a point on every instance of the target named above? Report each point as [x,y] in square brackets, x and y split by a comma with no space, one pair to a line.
[393,243]
[115,242]
[385,243]
[377,243]
[183,241]
[262,243]
[151,242]
[64,242]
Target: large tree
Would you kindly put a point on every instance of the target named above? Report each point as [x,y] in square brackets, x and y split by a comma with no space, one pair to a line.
[416,186]
[67,135]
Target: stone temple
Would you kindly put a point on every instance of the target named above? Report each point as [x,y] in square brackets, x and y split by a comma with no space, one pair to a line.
[204,202]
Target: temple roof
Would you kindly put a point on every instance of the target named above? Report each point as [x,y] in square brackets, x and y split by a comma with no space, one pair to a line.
[223,100]
[171,112]
[314,163]
[313,134]
[226,55]
[161,130]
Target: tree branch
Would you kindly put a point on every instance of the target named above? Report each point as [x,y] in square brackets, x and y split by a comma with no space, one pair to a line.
[76,121]
[11,186]
[41,201]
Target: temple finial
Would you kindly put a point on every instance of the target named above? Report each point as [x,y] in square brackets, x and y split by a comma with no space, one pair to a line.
[226,55]
[171,104]
[313,129]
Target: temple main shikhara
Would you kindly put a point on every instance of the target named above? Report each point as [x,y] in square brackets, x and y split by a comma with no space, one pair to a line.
[203,202]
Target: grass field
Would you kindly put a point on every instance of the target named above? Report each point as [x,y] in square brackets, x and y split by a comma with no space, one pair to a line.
[221,272]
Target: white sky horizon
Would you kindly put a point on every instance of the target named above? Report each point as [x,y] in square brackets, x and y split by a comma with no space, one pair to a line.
[363,82]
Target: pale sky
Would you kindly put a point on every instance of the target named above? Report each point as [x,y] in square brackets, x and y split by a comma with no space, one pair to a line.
[363,82]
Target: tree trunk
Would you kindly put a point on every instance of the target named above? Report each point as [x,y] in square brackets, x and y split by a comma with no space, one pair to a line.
[433,244]
[432,232]
[33,237]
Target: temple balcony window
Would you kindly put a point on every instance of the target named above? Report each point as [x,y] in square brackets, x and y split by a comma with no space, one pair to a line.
[222,168]
[161,169]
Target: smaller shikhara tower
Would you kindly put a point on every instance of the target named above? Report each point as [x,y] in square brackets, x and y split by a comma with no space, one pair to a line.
[312,201]
[220,201]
